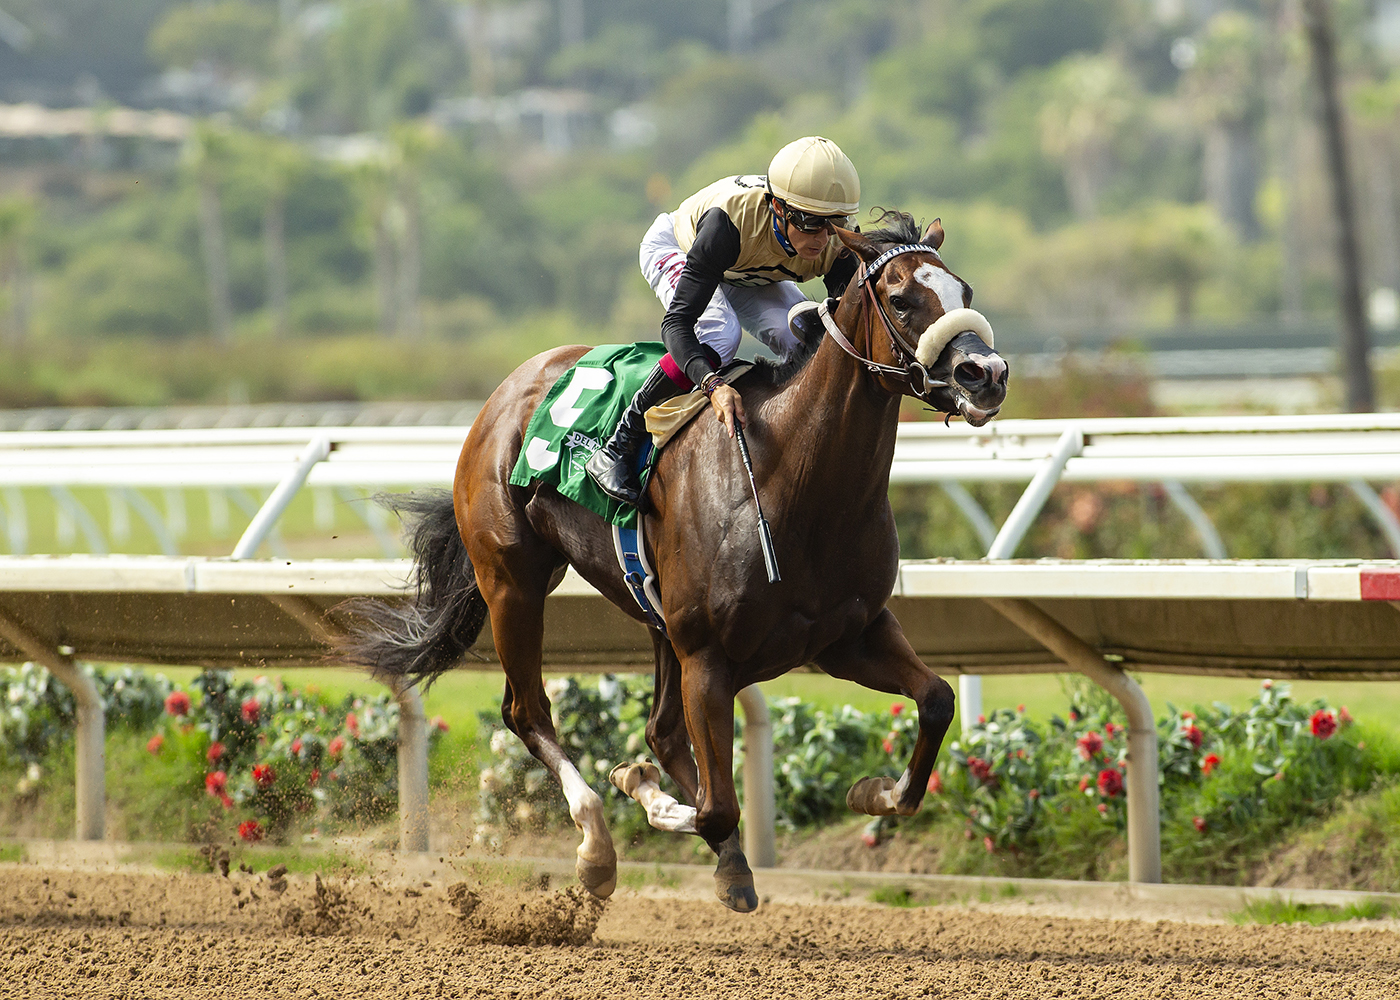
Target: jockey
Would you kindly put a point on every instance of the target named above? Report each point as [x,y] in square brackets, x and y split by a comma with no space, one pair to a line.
[729,257]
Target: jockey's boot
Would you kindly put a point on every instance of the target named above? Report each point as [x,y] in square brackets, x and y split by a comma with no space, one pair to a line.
[613,467]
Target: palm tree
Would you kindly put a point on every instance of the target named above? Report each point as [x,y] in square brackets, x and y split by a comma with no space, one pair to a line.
[412,144]
[1091,98]
[16,220]
[281,164]
[1224,89]
[208,155]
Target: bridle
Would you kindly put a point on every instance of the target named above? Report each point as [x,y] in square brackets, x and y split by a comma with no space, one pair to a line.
[913,372]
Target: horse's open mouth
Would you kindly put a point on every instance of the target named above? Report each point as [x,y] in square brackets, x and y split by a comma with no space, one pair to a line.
[975,415]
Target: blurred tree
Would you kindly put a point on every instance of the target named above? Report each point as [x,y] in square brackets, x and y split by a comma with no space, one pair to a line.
[1224,88]
[1376,110]
[413,143]
[1025,34]
[1090,99]
[709,104]
[98,40]
[281,164]
[210,154]
[17,216]
[373,184]
[231,34]
[1179,246]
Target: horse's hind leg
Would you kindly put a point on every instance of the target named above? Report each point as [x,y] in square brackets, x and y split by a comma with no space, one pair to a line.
[667,736]
[882,659]
[516,604]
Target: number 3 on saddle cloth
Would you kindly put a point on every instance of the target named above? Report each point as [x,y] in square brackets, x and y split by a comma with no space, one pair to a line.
[579,414]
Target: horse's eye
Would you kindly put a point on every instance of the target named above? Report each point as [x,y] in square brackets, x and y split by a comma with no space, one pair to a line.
[899,302]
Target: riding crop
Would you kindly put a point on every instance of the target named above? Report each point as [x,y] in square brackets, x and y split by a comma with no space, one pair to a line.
[765,537]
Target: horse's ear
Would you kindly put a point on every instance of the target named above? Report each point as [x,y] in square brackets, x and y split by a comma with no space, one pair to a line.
[933,235]
[857,243]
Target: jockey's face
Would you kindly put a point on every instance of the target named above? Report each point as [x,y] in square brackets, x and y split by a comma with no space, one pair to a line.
[809,246]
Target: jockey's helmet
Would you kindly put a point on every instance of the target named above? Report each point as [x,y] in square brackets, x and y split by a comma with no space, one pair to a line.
[813,175]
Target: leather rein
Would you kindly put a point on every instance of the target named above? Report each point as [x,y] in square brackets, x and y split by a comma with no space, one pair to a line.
[912,372]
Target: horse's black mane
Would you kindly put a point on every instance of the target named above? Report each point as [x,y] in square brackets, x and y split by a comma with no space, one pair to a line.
[895,229]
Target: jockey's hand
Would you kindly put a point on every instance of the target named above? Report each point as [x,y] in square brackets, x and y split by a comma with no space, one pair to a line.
[728,407]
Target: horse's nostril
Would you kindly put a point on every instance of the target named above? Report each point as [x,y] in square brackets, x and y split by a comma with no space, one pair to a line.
[970,374]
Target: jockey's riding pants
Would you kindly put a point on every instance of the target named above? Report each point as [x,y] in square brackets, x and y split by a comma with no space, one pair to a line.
[760,309]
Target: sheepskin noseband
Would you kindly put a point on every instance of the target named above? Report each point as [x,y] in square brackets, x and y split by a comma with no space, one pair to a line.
[941,332]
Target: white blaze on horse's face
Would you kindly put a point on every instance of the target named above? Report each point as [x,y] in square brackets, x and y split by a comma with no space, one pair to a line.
[948,288]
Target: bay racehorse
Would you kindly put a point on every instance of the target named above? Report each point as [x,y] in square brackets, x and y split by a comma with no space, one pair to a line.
[821,431]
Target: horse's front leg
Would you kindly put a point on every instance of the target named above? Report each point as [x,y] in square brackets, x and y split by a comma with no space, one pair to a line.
[882,659]
[667,736]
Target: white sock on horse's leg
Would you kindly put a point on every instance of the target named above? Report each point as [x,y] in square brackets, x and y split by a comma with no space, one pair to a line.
[663,812]
[596,852]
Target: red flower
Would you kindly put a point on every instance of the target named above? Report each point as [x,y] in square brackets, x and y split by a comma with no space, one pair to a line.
[264,775]
[216,750]
[989,844]
[869,839]
[1188,715]
[1344,717]
[1034,793]
[1266,685]
[177,703]
[1110,782]
[439,723]
[296,746]
[1193,734]
[1084,783]
[228,802]
[1211,762]
[215,783]
[981,720]
[1089,745]
[352,723]
[935,783]
[981,770]
[155,743]
[336,745]
[1324,724]
[1073,715]
[250,830]
[889,747]
[1110,729]
[896,708]
[315,776]
[1103,808]
[251,710]
[1199,823]
[1020,709]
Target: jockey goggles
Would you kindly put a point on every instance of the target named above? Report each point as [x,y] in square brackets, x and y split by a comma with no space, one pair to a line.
[810,222]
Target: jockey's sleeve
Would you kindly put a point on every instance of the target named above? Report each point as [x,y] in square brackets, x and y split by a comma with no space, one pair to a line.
[715,250]
[843,269]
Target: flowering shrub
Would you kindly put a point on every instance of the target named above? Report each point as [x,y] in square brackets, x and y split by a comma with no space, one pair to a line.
[265,755]
[37,712]
[1056,791]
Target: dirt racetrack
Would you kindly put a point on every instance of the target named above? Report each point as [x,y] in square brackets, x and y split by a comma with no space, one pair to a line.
[66,933]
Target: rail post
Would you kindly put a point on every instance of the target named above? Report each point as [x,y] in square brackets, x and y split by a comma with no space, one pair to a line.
[1144,816]
[760,810]
[261,525]
[91,746]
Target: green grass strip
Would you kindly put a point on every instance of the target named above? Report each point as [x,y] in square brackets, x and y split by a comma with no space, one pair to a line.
[1285,911]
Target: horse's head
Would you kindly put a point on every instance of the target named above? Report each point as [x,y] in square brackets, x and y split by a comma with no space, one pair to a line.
[943,347]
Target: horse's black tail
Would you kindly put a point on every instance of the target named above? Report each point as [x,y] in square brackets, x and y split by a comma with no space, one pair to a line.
[429,635]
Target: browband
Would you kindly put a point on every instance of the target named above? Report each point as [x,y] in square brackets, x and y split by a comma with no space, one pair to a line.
[873,270]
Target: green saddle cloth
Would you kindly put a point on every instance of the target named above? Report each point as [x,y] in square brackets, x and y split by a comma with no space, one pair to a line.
[577,416]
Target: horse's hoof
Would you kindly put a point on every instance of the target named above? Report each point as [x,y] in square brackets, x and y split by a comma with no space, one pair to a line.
[739,898]
[599,880]
[734,880]
[872,796]
[627,777]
